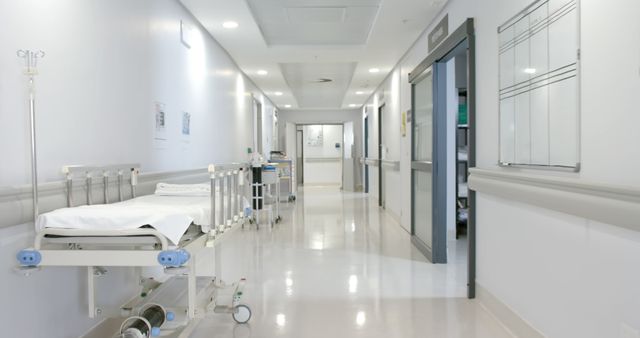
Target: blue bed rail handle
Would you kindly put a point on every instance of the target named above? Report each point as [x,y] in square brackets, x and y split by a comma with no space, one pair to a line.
[173,258]
[29,257]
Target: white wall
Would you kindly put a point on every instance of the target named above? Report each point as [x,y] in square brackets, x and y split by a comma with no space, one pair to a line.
[567,276]
[107,63]
[326,116]
[323,163]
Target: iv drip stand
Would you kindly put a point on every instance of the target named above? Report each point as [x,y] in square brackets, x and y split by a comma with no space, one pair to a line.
[31,70]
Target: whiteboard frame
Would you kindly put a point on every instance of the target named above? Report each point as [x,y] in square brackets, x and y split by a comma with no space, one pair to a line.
[578,166]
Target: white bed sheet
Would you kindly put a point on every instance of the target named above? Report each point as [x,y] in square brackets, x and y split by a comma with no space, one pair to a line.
[170,215]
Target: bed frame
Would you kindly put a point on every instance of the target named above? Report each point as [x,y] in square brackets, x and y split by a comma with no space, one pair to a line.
[146,247]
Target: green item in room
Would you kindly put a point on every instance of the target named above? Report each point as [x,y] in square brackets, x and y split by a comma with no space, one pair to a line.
[462,114]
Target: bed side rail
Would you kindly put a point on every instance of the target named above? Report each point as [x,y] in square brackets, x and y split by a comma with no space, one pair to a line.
[229,178]
[123,173]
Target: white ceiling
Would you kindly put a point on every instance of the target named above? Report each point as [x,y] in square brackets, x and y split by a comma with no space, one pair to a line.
[309,85]
[301,41]
[285,22]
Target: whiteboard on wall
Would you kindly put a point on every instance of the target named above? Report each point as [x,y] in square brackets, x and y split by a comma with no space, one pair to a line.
[540,86]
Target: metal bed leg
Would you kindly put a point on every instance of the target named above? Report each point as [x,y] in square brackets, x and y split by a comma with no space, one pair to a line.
[234,200]
[238,198]
[91,292]
[191,287]
[223,208]
[229,197]
[218,263]
[214,193]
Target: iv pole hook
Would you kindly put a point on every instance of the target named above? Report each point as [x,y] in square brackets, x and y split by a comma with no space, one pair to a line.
[31,63]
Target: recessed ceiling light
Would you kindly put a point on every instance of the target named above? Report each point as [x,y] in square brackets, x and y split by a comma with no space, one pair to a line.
[374,70]
[530,70]
[287,106]
[262,72]
[359,93]
[278,93]
[353,105]
[230,24]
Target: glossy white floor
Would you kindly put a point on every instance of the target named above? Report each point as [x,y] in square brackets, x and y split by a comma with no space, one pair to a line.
[338,266]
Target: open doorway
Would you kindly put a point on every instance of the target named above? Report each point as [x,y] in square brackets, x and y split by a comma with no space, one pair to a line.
[257,132]
[322,154]
[443,150]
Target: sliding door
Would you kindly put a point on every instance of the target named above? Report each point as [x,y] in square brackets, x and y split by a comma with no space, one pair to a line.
[422,163]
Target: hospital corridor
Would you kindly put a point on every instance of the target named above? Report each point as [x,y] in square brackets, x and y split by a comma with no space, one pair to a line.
[346,270]
[319,168]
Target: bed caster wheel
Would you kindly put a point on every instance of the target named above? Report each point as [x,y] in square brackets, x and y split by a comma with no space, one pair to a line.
[241,314]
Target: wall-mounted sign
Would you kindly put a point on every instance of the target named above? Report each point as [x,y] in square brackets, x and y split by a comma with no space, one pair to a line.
[403,124]
[160,121]
[439,33]
[186,124]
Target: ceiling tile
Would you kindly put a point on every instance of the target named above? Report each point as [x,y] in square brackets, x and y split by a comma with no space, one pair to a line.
[307,83]
[314,22]
[308,15]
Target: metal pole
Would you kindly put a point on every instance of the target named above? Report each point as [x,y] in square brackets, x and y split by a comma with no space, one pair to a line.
[105,182]
[229,196]
[31,62]
[238,200]
[69,190]
[120,197]
[34,160]
[214,226]
[223,207]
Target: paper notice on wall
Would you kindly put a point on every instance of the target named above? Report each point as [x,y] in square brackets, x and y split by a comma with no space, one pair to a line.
[315,136]
[160,118]
[185,131]
[186,124]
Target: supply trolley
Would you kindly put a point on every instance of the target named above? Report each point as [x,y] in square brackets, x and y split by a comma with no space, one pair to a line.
[264,177]
[285,174]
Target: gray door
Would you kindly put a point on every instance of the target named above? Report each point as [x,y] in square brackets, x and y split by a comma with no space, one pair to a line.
[422,164]
[299,157]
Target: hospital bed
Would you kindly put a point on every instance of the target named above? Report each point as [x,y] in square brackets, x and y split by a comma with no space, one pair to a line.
[171,229]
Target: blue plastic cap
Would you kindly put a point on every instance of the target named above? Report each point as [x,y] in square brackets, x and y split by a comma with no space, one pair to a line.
[29,257]
[173,258]
[155,331]
[171,316]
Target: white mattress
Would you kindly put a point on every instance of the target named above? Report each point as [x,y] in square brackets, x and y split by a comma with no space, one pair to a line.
[169,215]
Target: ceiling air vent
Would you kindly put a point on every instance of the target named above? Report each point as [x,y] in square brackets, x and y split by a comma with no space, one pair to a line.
[322,80]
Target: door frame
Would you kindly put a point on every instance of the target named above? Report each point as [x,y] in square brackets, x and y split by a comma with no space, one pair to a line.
[381,200]
[258,117]
[366,154]
[464,33]
[341,124]
[300,166]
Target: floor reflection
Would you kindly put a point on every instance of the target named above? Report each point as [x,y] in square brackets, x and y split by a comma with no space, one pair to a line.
[339,266]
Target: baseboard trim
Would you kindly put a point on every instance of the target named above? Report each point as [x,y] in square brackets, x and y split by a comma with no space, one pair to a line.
[423,248]
[512,322]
